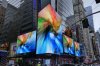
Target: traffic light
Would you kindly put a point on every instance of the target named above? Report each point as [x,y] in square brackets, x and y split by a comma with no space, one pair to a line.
[97,1]
[85,23]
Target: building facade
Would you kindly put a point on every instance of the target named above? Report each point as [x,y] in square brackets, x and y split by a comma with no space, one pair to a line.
[90,18]
[91,29]
[3,4]
[18,19]
[98,43]
[8,26]
[99,30]
[15,3]
[88,43]
[27,23]
[79,14]
[72,13]
[83,33]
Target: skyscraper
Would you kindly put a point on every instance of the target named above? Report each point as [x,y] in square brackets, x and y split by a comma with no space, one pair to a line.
[63,7]
[15,3]
[3,5]
[18,20]
[8,26]
[90,18]
[91,30]
[99,30]
[98,42]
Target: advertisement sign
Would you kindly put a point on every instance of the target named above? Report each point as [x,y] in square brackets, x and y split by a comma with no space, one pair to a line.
[68,45]
[48,40]
[26,43]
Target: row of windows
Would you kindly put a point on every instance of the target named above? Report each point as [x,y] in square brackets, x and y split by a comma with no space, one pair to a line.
[67,10]
[26,29]
[26,9]
[67,4]
[65,13]
[26,6]
[15,3]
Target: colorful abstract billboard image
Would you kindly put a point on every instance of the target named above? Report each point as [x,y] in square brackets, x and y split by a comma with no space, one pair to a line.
[50,16]
[26,43]
[42,25]
[49,43]
[48,40]
[77,49]
[68,45]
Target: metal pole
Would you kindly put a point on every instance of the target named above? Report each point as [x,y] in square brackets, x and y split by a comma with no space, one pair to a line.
[86,17]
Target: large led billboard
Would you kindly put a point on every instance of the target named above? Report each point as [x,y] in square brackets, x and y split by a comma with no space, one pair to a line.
[68,45]
[52,17]
[48,40]
[77,49]
[49,43]
[26,43]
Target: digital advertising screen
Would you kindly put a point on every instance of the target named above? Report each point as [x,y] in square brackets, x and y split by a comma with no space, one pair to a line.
[51,16]
[68,45]
[49,43]
[26,43]
[77,49]
[48,40]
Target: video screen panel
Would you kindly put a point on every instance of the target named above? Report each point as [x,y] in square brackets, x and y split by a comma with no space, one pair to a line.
[68,45]
[26,43]
[77,49]
[48,40]
[49,43]
[51,16]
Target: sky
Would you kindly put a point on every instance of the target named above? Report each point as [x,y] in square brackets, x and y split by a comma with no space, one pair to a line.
[95,8]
